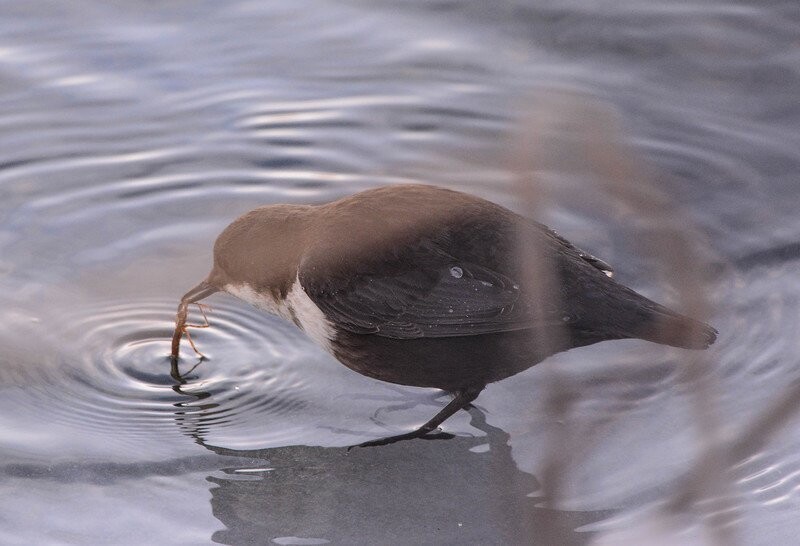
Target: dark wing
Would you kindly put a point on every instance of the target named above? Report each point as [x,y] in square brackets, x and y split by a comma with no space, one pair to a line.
[594,261]
[428,292]
[450,300]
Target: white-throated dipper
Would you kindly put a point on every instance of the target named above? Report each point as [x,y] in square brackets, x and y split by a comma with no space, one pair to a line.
[424,286]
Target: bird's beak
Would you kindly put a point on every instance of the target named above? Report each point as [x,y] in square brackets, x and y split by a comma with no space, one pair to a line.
[199,292]
[202,290]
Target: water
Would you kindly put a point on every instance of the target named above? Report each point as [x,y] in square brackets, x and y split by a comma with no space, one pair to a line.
[131,135]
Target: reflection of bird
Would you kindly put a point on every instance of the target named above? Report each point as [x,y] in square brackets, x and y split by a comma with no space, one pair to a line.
[429,287]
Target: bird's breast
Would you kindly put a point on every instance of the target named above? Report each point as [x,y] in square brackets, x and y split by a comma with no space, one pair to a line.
[296,307]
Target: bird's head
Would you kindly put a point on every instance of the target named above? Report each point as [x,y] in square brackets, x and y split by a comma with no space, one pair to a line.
[262,249]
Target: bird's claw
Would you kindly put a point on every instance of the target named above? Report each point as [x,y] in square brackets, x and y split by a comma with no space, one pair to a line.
[422,434]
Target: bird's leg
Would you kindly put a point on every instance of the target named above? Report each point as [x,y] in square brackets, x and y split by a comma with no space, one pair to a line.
[462,400]
[194,295]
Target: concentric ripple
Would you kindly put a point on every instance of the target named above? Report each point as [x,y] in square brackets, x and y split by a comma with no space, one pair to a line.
[109,377]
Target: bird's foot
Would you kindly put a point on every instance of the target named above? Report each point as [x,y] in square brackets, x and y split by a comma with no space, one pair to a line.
[422,434]
[462,399]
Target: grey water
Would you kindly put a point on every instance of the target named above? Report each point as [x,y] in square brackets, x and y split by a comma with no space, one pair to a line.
[131,133]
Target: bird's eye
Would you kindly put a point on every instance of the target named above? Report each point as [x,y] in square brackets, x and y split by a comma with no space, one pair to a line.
[456,272]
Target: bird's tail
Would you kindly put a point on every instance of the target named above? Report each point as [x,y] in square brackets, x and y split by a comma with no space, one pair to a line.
[670,328]
[627,314]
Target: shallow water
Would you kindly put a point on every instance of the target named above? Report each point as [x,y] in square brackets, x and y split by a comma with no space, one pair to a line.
[130,136]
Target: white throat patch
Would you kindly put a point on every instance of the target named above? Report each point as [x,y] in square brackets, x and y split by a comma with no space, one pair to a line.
[296,307]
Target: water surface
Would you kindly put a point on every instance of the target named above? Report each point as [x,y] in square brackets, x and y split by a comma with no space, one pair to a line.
[131,135]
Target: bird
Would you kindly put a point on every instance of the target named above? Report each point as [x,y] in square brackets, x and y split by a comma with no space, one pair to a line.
[424,286]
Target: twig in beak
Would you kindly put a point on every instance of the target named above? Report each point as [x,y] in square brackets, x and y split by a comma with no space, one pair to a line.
[197,293]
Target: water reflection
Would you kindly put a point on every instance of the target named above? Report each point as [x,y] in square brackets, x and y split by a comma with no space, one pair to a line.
[465,489]
[131,137]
